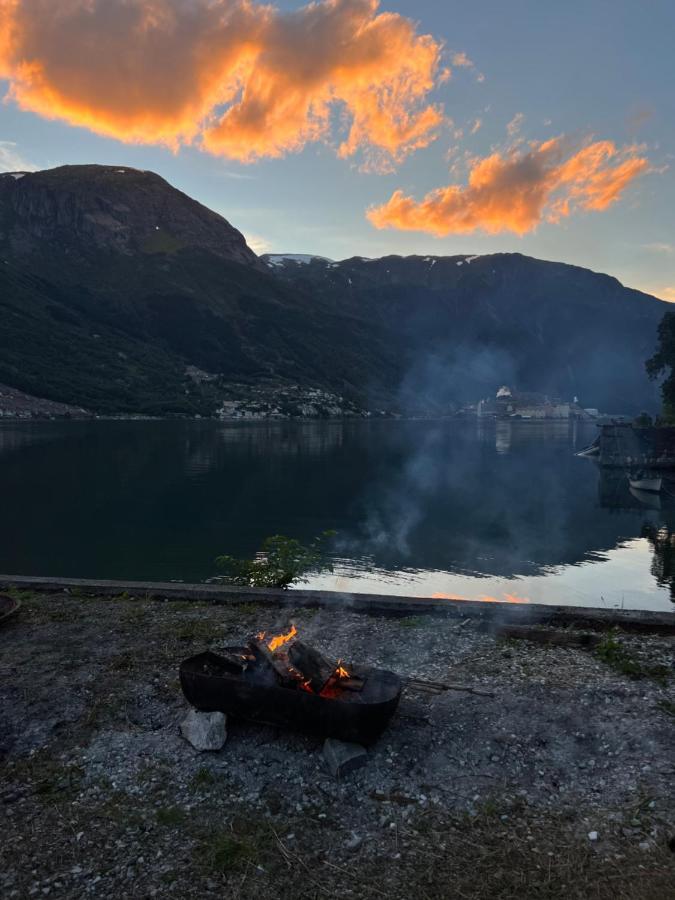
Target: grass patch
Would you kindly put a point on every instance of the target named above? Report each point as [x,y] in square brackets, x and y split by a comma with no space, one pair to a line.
[170,816]
[223,851]
[48,777]
[668,707]
[195,630]
[413,622]
[203,777]
[615,654]
[248,609]
[123,662]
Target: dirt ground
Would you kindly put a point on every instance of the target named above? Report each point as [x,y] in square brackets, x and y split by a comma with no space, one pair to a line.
[562,784]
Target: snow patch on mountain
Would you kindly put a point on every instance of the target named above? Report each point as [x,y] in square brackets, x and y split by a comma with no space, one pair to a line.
[303,259]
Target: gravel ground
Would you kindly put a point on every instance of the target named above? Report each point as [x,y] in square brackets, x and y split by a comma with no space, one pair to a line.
[560,785]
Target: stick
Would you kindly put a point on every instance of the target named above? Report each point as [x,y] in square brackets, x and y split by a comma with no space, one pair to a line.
[437,687]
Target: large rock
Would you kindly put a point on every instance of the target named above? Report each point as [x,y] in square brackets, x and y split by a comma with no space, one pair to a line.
[204,730]
[342,758]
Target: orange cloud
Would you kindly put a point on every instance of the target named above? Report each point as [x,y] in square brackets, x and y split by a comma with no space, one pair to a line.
[517,189]
[238,78]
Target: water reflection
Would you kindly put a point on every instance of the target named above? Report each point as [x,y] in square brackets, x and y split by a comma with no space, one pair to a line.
[470,509]
[662,541]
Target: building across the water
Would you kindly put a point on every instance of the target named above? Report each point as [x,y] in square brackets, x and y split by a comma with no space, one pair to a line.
[512,404]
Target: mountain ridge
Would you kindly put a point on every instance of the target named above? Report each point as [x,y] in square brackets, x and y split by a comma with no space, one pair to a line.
[114,285]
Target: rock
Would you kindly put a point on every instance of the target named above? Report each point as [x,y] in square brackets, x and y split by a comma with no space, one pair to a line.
[592,835]
[354,842]
[205,731]
[342,758]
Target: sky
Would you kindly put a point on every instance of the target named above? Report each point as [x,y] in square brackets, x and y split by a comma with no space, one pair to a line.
[352,127]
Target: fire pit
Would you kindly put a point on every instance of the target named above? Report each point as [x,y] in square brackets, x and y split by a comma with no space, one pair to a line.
[282,681]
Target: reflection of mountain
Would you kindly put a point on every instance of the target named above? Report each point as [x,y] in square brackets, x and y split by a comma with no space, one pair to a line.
[162,499]
[662,540]
[499,502]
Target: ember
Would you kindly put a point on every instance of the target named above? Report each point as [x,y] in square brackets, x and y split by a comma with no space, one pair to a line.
[283,681]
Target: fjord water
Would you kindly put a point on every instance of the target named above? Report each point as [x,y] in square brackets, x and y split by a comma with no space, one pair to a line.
[469,509]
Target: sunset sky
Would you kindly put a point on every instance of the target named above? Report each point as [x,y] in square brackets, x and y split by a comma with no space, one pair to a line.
[352,127]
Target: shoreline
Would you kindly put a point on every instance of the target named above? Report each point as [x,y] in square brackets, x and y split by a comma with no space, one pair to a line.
[487,614]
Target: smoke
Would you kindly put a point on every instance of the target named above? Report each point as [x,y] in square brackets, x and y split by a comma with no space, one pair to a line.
[237,78]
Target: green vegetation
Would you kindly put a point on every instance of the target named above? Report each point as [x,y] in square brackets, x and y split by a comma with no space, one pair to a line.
[203,777]
[662,363]
[613,652]
[413,622]
[282,561]
[222,851]
[170,816]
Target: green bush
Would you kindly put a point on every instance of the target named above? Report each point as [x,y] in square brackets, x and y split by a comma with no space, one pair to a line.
[281,562]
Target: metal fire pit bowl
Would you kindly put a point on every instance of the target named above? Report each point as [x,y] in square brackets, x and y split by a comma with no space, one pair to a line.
[255,694]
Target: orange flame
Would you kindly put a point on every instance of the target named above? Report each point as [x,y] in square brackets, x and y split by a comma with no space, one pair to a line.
[281,639]
[340,671]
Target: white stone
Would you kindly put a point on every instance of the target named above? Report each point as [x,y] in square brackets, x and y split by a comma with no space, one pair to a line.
[204,730]
[592,835]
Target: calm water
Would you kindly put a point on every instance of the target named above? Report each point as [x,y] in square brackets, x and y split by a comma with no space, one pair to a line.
[494,510]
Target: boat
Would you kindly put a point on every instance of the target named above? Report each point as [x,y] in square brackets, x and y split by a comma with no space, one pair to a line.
[650,499]
[644,483]
[592,450]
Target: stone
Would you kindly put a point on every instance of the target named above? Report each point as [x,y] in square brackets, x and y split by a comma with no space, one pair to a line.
[342,758]
[204,730]
[592,835]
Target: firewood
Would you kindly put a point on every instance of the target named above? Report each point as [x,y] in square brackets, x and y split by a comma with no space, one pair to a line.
[312,665]
[281,669]
[557,638]
[232,662]
[353,683]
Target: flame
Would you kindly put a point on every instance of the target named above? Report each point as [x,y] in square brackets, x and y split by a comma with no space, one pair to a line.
[340,671]
[280,639]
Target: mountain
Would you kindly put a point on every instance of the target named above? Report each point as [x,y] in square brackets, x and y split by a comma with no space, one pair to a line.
[121,294]
[114,286]
[83,210]
[466,324]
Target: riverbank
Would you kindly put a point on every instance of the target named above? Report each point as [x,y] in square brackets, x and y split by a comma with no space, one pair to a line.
[560,784]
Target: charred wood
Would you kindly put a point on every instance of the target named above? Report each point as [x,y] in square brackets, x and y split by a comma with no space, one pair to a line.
[312,665]
[281,669]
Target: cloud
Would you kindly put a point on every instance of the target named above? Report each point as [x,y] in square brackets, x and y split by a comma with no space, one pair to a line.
[517,189]
[238,78]
[661,247]
[665,293]
[461,60]
[258,244]
[477,125]
[515,124]
[11,159]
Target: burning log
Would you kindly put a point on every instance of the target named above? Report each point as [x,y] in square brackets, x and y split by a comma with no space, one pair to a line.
[281,668]
[314,667]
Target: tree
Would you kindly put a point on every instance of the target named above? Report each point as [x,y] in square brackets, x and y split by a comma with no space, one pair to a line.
[662,363]
[280,562]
